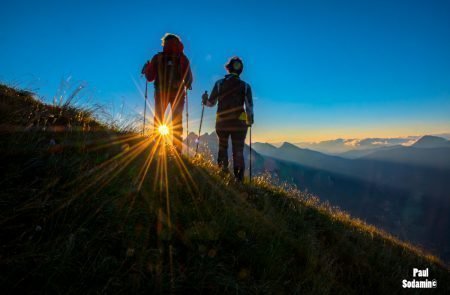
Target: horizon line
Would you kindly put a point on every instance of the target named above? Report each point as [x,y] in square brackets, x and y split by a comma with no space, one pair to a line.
[442,134]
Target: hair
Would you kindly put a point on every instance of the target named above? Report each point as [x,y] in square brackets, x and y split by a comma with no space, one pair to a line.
[169,36]
[232,66]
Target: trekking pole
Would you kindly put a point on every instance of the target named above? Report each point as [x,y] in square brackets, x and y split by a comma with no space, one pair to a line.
[250,155]
[200,128]
[145,106]
[187,121]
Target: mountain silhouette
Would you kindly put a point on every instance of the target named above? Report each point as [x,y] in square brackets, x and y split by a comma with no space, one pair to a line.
[387,192]
[359,153]
[428,151]
[429,141]
[340,145]
[265,148]
[102,211]
[292,153]
[391,187]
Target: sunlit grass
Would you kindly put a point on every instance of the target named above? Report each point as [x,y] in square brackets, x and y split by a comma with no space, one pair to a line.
[124,213]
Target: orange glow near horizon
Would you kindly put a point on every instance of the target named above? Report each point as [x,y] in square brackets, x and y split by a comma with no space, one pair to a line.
[323,134]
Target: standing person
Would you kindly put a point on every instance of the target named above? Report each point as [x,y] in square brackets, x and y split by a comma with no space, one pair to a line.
[171,72]
[232,120]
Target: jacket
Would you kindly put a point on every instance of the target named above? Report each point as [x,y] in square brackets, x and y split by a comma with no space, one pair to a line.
[232,95]
[172,47]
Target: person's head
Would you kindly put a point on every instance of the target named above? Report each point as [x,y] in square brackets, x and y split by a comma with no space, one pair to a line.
[172,43]
[169,36]
[235,65]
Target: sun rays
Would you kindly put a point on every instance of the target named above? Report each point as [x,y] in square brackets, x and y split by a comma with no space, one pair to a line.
[151,162]
[136,189]
[163,130]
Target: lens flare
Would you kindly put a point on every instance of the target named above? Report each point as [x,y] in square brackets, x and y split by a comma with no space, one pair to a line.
[163,130]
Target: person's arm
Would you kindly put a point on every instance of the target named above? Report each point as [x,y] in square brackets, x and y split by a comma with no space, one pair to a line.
[186,68]
[249,104]
[149,70]
[213,98]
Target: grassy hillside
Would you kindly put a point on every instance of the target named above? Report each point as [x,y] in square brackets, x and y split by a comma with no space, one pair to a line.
[90,210]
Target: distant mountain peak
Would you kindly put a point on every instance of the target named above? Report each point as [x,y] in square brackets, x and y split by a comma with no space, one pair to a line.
[430,141]
[265,144]
[288,145]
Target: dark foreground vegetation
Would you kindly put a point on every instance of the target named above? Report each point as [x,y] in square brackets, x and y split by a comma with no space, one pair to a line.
[87,209]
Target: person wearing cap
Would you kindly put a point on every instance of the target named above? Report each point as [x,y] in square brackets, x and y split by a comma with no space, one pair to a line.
[234,115]
[171,73]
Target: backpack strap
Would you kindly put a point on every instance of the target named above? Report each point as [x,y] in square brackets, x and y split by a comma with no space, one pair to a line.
[159,72]
[218,86]
[180,69]
[160,57]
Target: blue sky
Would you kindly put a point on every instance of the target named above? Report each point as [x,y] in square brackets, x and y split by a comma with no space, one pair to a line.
[318,69]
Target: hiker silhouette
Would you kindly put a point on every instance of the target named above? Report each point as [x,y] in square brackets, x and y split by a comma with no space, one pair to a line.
[171,72]
[232,94]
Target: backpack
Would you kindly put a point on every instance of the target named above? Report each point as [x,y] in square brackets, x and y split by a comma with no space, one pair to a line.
[169,76]
[232,95]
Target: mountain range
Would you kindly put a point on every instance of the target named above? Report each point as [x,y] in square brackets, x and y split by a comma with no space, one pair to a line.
[340,146]
[402,189]
[428,151]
